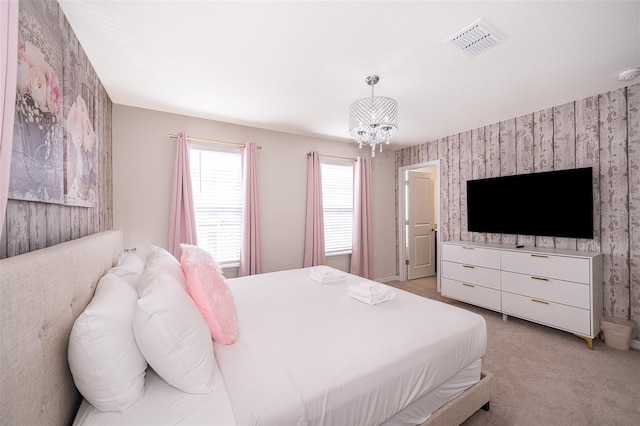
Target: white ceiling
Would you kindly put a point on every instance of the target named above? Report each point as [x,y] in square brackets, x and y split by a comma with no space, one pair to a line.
[296,66]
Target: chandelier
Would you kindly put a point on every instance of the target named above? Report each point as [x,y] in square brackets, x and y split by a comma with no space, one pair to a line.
[373,120]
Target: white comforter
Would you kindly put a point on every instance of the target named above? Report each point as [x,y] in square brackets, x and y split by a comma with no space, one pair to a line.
[310,354]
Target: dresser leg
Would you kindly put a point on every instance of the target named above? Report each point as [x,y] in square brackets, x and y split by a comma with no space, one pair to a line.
[588,339]
[504,317]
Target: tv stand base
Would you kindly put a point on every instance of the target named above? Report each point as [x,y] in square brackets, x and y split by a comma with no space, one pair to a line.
[554,287]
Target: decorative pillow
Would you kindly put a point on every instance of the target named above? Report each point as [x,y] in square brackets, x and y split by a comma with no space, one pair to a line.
[210,291]
[161,260]
[130,268]
[107,366]
[172,334]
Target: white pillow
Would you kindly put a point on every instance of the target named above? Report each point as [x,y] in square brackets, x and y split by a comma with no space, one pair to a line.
[172,334]
[161,260]
[107,366]
[130,268]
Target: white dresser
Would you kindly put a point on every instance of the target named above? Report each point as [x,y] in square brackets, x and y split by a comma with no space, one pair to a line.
[557,288]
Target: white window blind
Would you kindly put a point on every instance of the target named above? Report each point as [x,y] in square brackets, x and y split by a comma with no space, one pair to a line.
[337,203]
[217,197]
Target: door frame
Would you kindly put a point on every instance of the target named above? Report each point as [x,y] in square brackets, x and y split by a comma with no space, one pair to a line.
[402,273]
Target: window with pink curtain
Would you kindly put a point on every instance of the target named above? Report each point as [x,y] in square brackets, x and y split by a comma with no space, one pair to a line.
[250,261]
[314,235]
[216,174]
[182,222]
[8,81]
[362,251]
[337,205]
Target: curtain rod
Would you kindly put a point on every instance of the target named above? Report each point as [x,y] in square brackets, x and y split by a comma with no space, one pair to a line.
[335,156]
[211,141]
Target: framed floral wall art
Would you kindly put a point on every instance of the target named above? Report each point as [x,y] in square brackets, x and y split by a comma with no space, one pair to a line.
[38,152]
[55,146]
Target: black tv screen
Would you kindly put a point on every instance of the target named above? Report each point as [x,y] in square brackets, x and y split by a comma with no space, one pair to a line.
[556,204]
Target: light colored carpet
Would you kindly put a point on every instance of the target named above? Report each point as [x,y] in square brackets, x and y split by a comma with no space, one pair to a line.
[549,377]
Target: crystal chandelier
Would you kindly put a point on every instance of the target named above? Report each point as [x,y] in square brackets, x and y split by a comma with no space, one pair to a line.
[373,120]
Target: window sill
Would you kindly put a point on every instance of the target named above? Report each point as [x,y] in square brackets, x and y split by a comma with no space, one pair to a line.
[230,270]
[339,253]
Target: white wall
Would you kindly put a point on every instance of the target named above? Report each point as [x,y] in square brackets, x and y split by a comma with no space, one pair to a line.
[143,157]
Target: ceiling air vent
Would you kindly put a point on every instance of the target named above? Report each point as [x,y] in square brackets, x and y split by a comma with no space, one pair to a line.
[476,38]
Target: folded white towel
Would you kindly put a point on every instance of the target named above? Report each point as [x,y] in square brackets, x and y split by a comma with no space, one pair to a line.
[323,270]
[370,289]
[374,301]
[326,275]
[372,294]
[370,285]
[328,280]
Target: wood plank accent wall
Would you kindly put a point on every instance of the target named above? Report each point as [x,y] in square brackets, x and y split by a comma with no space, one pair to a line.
[31,225]
[601,131]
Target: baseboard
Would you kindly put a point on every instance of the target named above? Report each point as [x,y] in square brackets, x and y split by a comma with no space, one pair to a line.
[635,344]
[387,279]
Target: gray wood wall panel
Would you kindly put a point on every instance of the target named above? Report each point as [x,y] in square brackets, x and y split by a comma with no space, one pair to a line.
[31,225]
[602,132]
[633,110]
[443,154]
[432,153]
[614,192]
[65,223]
[588,155]
[478,161]
[453,142]
[564,153]
[508,159]
[543,154]
[423,152]
[53,224]
[466,173]
[17,223]
[524,159]
[37,226]
[492,169]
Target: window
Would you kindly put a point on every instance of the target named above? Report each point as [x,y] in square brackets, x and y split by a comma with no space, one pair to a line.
[337,203]
[217,200]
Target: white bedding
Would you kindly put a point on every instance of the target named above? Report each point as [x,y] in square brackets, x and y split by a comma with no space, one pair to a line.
[310,354]
[163,404]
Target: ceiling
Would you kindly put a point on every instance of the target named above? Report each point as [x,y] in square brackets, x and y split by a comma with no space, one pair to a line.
[296,66]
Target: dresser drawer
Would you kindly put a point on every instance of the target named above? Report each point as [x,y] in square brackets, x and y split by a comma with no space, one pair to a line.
[471,274]
[549,266]
[471,255]
[556,315]
[476,295]
[565,292]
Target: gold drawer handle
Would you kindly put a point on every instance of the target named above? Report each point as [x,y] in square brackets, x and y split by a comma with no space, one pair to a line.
[468,248]
[540,301]
[542,256]
[540,278]
[468,266]
[468,285]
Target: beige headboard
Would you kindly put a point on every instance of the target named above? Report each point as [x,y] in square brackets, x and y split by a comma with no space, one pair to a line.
[41,295]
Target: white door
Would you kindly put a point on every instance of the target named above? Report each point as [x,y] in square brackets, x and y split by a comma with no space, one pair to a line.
[420,225]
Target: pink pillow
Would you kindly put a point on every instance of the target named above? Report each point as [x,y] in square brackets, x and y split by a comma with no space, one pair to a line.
[210,292]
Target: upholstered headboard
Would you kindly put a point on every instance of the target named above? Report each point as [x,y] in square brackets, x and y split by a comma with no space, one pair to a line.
[41,295]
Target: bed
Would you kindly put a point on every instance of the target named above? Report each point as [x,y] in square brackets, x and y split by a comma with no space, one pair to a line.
[307,353]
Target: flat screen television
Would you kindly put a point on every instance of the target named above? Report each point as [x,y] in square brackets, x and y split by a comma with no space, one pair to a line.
[556,204]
